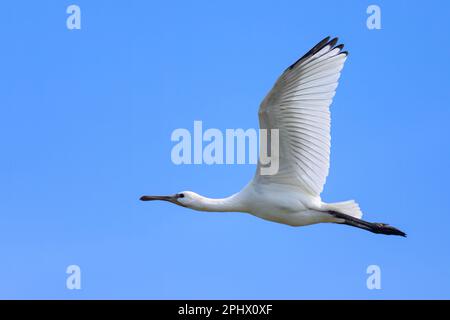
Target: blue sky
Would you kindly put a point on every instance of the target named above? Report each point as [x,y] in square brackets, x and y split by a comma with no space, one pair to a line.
[85,123]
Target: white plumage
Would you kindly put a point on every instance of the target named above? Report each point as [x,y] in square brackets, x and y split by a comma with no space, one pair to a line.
[298,106]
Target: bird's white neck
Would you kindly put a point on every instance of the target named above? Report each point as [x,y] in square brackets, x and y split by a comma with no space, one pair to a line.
[229,204]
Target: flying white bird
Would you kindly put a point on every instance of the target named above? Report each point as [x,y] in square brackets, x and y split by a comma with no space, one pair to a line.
[298,106]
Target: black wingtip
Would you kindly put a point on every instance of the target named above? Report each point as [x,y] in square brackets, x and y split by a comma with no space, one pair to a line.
[319,46]
[333,42]
[340,46]
[313,50]
[322,42]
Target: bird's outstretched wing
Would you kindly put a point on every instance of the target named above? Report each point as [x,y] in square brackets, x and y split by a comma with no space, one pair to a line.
[298,105]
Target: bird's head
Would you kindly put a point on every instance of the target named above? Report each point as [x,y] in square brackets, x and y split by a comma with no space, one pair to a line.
[187,199]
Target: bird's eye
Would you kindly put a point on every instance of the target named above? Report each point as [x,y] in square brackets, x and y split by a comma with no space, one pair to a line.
[181,195]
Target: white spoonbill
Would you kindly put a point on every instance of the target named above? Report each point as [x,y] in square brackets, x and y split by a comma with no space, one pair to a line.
[298,106]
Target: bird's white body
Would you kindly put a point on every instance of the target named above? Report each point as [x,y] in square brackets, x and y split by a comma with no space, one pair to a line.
[277,203]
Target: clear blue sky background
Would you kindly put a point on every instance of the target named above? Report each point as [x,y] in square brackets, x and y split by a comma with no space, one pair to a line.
[85,124]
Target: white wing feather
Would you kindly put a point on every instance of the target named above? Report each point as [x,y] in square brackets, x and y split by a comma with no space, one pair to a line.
[298,105]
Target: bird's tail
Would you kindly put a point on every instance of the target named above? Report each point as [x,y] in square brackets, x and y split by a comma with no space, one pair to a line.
[374,227]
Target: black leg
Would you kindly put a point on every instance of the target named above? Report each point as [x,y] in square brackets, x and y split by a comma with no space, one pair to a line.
[374,227]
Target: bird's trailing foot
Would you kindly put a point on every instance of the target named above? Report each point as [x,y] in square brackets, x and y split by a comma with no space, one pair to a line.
[375,227]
